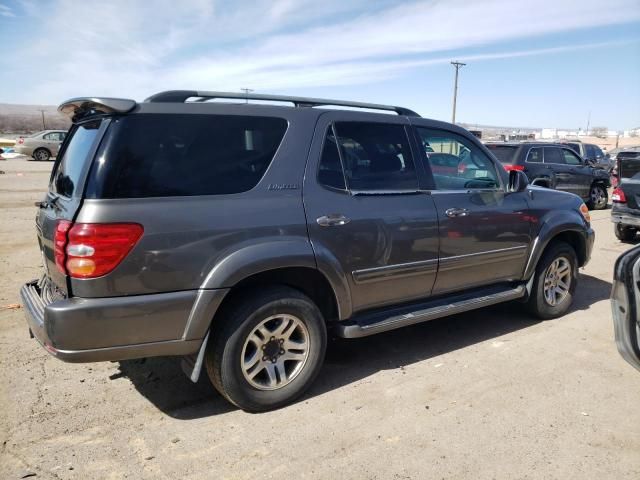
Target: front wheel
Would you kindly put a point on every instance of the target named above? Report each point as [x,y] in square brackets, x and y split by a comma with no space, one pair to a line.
[555,281]
[598,197]
[267,349]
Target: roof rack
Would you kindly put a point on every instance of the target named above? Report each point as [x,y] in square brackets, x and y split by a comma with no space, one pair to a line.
[181,96]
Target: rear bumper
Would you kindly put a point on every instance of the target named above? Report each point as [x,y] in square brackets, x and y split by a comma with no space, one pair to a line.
[23,150]
[117,328]
[625,216]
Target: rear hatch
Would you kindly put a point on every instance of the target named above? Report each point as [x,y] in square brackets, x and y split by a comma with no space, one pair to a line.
[64,196]
[629,177]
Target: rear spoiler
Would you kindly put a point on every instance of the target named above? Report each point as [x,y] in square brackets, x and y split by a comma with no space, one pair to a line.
[78,108]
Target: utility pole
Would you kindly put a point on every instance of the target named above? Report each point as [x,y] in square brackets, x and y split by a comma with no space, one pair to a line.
[457,66]
[44,127]
[588,122]
[247,91]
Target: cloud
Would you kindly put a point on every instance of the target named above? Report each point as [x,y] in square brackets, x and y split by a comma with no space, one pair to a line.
[6,11]
[124,48]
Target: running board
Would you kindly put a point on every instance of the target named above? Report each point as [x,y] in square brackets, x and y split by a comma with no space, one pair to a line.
[382,321]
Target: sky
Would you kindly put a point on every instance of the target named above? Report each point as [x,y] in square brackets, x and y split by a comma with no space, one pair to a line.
[541,63]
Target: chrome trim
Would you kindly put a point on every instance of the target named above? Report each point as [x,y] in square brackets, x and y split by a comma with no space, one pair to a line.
[399,270]
[489,256]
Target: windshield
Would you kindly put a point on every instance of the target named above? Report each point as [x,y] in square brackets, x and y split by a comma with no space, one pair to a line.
[69,168]
[504,153]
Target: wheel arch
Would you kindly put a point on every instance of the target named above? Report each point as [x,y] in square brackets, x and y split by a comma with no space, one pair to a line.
[571,234]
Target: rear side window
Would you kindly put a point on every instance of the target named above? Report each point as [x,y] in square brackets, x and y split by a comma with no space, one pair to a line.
[376,157]
[575,147]
[553,155]
[160,155]
[66,176]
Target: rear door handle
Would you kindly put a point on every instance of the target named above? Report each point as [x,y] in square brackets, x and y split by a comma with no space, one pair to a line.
[332,220]
[457,212]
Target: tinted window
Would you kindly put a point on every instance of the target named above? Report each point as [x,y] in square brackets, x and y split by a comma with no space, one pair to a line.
[553,155]
[534,155]
[455,162]
[504,153]
[330,169]
[67,174]
[591,152]
[598,152]
[570,157]
[377,156]
[154,155]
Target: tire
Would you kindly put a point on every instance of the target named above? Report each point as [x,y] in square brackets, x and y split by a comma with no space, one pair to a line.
[42,154]
[237,340]
[598,197]
[538,303]
[624,233]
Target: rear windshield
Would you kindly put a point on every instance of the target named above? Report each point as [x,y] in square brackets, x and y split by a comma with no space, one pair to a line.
[629,167]
[160,155]
[504,153]
[66,176]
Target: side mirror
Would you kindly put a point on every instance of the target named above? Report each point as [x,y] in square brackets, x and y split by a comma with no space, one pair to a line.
[518,181]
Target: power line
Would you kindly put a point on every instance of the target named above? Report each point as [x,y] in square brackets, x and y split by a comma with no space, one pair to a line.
[457,66]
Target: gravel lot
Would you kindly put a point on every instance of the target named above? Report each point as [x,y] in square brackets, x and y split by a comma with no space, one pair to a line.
[488,394]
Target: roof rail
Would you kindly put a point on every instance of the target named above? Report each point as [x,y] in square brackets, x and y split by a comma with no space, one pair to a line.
[180,96]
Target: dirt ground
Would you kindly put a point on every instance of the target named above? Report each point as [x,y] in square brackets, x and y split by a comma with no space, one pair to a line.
[488,394]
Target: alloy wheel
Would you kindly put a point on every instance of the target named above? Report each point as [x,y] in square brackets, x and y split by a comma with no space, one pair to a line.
[557,281]
[275,352]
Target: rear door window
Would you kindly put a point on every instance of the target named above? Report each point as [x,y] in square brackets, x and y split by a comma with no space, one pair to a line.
[330,173]
[553,155]
[160,155]
[376,157]
[67,174]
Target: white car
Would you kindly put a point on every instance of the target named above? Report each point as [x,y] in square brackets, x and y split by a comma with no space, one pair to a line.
[42,145]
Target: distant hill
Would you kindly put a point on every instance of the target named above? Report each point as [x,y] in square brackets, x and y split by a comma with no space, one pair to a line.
[28,118]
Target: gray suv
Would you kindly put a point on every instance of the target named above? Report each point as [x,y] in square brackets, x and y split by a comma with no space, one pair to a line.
[237,235]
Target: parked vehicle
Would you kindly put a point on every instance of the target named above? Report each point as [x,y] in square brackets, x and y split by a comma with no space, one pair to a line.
[41,146]
[591,153]
[625,213]
[556,166]
[237,235]
[625,298]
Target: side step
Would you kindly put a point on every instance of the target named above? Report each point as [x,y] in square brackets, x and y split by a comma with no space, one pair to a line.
[382,321]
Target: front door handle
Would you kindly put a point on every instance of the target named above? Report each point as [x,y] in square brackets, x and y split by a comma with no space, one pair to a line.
[457,212]
[332,220]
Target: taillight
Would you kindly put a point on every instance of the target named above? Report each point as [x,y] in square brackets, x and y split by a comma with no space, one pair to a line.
[508,168]
[618,196]
[59,242]
[95,249]
[20,141]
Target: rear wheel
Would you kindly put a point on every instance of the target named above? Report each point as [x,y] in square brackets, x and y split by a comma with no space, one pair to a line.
[42,154]
[267,350]
[624,233]
[555,282]
[598,197]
